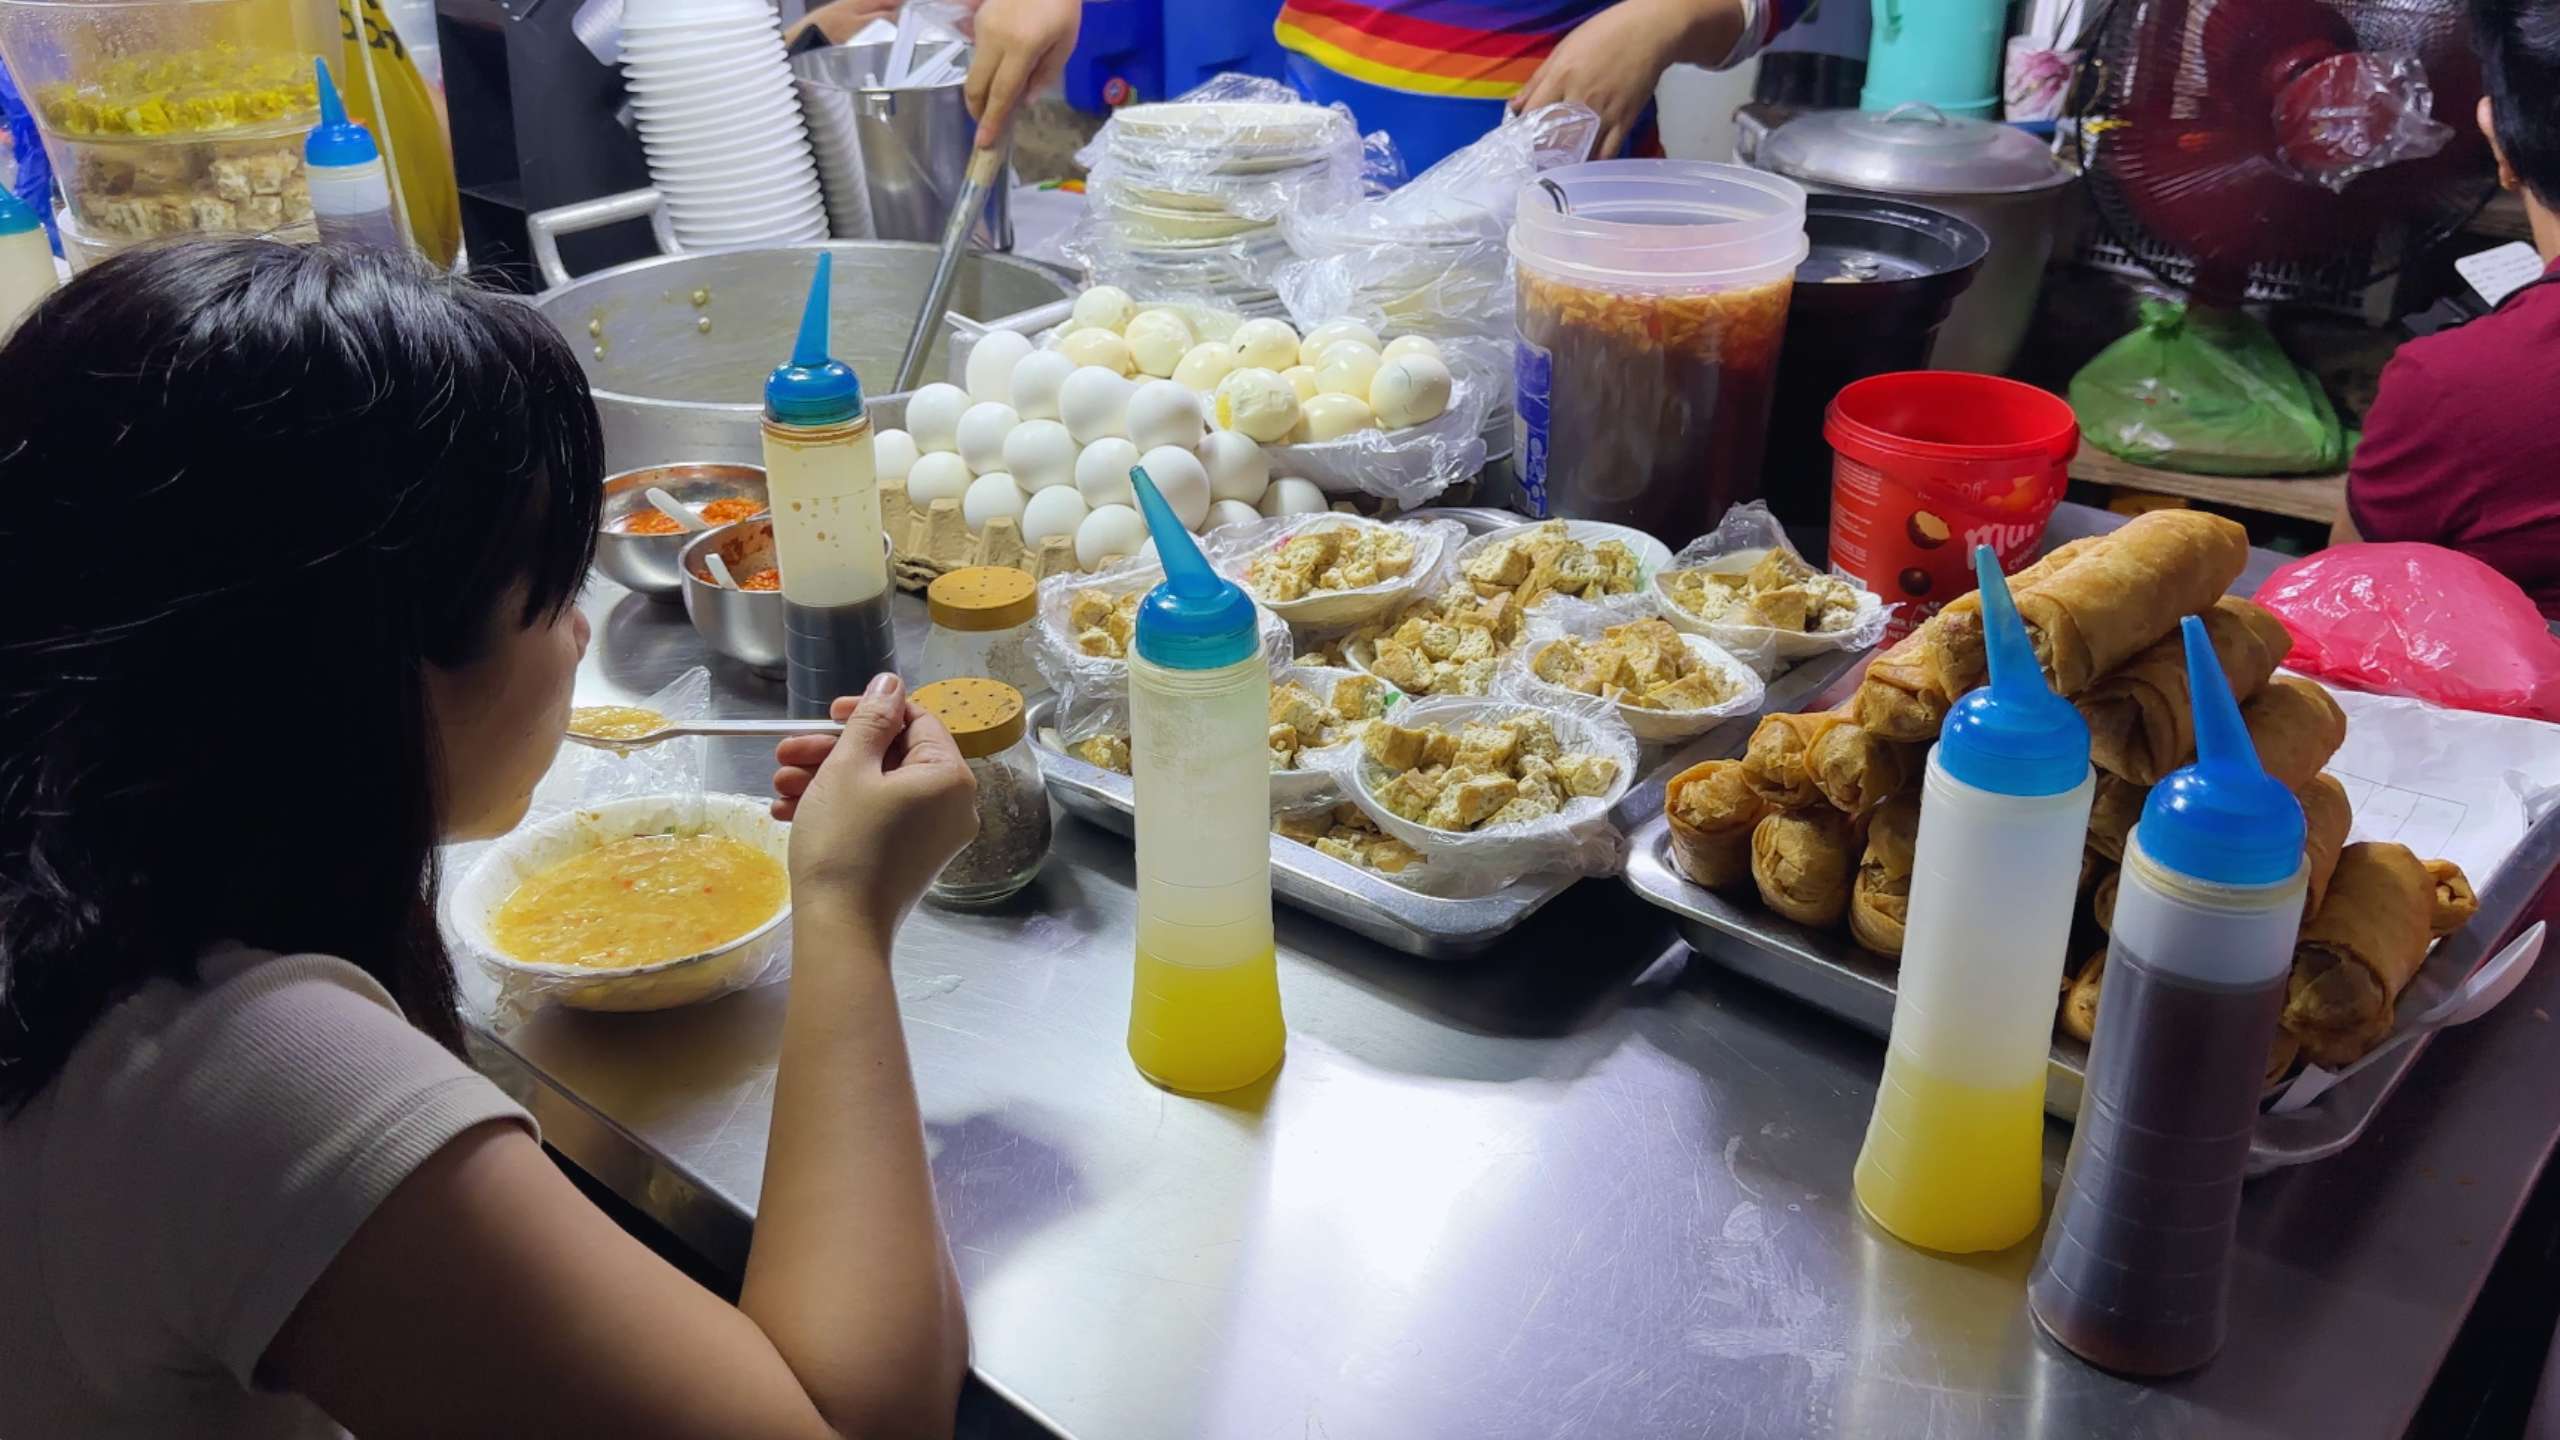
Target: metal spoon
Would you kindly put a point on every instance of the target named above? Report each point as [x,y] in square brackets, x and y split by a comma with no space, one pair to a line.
[722,729]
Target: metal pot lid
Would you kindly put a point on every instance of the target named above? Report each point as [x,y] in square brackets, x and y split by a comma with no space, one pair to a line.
[1911,149]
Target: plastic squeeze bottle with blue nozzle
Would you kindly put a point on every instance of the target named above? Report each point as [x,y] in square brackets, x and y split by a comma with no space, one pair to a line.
[2137,1261]
[350,191]
[1205,1013]
[1954,1157]
[824,485]
[26,261]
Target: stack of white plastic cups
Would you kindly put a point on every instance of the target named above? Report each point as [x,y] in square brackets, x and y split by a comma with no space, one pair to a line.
[720,124]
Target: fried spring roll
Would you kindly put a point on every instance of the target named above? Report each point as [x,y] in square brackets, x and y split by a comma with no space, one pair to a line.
[1801,861]
[2325,821]
[2102,898]
[1712,812]
[2080,1000]
[2107,605]
[1774,761]
[1908,689]
[2112,813]
[1857,769]
[2354,958]
[2455,903]
[2140,723]
[1880,900]
[2296,726]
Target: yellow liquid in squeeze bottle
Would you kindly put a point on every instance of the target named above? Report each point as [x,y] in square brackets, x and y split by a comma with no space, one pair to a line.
[1204,1013]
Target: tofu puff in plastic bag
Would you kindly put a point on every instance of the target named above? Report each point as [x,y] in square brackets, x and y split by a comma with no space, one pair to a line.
[1088,628]
[1333,571]
[593,798]
[1490,790]
[1667,686]
[1744,586]
[2418,620]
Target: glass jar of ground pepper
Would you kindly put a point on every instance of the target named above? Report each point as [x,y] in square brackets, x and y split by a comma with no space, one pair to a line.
[986,721]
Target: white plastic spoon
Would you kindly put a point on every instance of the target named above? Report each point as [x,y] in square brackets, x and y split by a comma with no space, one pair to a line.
[676,510]
[720,571]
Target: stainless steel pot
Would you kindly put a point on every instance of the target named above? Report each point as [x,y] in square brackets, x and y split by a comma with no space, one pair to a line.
[890,162]
[678,347]
[1998,177]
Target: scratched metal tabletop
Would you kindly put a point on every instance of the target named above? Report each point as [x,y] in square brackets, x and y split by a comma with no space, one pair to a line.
[1588,1185]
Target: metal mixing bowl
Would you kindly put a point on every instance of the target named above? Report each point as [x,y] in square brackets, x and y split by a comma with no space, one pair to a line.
[648,563]
[745,625]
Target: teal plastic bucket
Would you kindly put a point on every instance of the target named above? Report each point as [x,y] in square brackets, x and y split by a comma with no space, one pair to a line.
[1942,52]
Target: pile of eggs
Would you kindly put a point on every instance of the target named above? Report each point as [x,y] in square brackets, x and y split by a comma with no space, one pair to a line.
[1047,437]
[1266,381]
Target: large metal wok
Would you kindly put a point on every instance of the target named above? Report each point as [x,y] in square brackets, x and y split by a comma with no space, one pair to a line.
[677,348]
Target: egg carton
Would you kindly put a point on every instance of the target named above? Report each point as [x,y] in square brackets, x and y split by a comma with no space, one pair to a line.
[926,544]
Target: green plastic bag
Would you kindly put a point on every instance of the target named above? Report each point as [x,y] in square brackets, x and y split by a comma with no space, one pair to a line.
[2209,392]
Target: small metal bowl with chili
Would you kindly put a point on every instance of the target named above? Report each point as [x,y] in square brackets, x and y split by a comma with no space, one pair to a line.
[639,544]
[744,624]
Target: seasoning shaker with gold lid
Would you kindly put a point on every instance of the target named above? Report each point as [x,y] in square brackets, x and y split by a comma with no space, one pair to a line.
[982,626]
[985,718]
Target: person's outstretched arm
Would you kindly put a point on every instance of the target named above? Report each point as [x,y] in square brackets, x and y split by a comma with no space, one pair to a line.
[1612,61]
[1021,45]
[486,1296]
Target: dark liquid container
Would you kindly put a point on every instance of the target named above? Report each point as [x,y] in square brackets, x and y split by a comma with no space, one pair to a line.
[1655,406]
[2137,1256]
[835,651]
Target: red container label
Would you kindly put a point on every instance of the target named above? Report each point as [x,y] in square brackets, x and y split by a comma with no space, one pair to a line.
[1911,539]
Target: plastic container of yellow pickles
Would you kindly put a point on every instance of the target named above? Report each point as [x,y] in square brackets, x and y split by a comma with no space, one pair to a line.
[168,119]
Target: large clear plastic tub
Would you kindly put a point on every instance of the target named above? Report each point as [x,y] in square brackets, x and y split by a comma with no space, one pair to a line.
[173,117]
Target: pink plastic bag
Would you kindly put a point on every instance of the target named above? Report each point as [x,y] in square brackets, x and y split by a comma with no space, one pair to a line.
[2418,620]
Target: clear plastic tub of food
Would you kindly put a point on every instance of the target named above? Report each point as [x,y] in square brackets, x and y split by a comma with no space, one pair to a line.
[173,117]
[1652,302]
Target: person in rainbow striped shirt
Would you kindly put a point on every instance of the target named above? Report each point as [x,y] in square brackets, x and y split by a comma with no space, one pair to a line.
[1436,74]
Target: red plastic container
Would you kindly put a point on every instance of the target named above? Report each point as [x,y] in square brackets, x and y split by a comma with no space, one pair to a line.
[1928,464]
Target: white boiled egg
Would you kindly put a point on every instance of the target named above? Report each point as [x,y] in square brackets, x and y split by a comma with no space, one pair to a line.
[1106,307]
[894,453]
[1409,389]
[1301,378]
[982,432]
[1404,345]
[1223,513]
[1330,417]
[1158,339]
[1265,345]
[1204,365]
[1040,455]
[1325,336]
[1102,472]
[1258,403]
[1238,470]
[991,495]
[1036,382]
[940,475]
[991,362]
[1347,369]
[1164,412]
[1058,510]
[1095,402]
[1291,496]
[933,416]
[1181,479]
[1111,530]
[1100,348]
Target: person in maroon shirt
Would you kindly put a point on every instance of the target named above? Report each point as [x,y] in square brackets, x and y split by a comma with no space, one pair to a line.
[2460,449]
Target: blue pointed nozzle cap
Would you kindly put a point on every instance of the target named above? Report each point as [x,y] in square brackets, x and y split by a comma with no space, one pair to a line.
[813,388]
[2223,819]
[336,140]
[16,216]
[1197,619]
[2013,736]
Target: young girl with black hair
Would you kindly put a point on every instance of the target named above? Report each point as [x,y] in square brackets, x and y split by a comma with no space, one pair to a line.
[294,538]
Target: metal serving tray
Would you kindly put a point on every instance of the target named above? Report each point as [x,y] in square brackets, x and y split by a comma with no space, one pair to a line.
[1830,972]
[1432,926]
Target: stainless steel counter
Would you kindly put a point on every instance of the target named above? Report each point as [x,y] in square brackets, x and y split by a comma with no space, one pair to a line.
[1589,1186]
